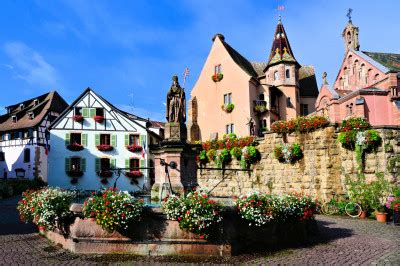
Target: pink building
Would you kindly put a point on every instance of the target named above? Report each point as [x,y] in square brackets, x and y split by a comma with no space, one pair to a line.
[233,94]
[367,85]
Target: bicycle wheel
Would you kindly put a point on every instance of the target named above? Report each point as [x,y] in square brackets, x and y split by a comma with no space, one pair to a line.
[329,208]
[353,209]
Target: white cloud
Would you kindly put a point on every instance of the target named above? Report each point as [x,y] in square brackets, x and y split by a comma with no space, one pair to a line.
[27,64]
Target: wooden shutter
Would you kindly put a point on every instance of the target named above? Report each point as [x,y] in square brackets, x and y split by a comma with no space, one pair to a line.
[97,164]
[92,112]
[84,140]
[142,140]
[142,164]
[113,163]
[114,140]
[83,164]
[67,164]
[67,138]
[127,164]
[126,139]
[97,139]
[85,112]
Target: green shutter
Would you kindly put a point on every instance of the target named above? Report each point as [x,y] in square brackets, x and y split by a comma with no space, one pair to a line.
[67,164]
[142,139]
[92,112]
[83,164]
[85,112]
[97,139]
[67,138]
[84,140]
[126,139]
[114,140]
[113,163]
[127,163]
[97,164]
[142,163]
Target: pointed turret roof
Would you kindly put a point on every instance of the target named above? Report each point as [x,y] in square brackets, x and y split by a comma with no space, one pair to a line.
[281,51]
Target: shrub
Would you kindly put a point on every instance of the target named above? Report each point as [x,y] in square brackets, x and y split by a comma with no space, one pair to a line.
[113,210]
[45,207]
[196,212]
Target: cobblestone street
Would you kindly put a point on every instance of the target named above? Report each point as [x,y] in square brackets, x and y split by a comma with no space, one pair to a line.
[341,241]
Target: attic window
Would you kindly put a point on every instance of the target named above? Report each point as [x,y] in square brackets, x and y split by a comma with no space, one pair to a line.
[21,106]
[35,102]
[276,75]
[14,118]
[31,115]
[218,69]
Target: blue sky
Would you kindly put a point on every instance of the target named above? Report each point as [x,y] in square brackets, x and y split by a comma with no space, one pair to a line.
[128,50]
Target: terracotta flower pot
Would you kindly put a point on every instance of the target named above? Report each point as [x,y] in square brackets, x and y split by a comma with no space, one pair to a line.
[381,217]
[363,215]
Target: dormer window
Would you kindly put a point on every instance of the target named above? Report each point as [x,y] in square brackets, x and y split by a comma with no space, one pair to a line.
[21,106]
[35,102]
[276,75]
[14,118]
[31,115]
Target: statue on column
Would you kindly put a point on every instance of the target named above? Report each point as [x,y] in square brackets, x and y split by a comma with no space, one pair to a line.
[176,103]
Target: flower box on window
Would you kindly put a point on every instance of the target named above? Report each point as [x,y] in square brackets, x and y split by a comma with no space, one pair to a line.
[217,77]
[104,147]
[75,147]
[105,173]
[98,118]
[75,173]
[133,174]
[228,108]
[78,118]
[134,148]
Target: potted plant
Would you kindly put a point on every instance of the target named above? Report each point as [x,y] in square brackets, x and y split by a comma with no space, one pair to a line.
[133,174]
[75,147]
[376,191]
[217,77]
[228,107]
[105,173]
[78,118]
[134,148]
[98,118]
[104,147]
[75,173]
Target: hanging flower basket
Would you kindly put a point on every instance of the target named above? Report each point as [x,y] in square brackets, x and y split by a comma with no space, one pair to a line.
[286,153]
[98,118]
[133,174]
[134,148]
[217,77]
[104,147]
[105,173]
[75,173]
[78,118]
[75,147]
[228,107]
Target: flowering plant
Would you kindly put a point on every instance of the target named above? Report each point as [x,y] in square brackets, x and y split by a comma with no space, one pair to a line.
[236,152]
[211,154]
[300,124]
[217,77]
[98,118]
[113,210]
[75,147]
[228,107]
[260,108]
[104,147]
[196,212]
[259,209]
[45,207]
[288,154]
[202,158]
[222,157]
[249,156]
[134,148]
[77,118]
[75,173]
[358,123]
[105,173]
[134,174]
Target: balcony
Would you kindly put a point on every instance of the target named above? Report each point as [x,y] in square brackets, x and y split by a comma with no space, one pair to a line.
[260,106]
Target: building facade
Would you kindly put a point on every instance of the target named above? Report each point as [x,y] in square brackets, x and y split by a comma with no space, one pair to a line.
[235,95]
[367,85]
[92,138]
[24,142]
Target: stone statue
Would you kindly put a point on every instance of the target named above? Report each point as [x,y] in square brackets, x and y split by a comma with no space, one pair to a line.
[176,103]
[324,76]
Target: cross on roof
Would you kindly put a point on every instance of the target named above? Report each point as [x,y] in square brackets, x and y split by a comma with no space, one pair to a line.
[349,11]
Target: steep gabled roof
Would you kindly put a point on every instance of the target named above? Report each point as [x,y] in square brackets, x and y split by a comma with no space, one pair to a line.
[50,101]
[389,60]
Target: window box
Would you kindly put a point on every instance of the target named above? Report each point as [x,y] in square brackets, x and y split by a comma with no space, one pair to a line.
[75,147]
[104,147]
[228,107]
[78,118]
[75,173]
[105,173]
[217,77]
[98,118]
[134,148]
[133,174]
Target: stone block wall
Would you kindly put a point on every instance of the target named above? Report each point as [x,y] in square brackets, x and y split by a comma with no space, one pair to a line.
[322,170]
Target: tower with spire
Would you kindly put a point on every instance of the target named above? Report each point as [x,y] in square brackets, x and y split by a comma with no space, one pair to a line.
[350,35]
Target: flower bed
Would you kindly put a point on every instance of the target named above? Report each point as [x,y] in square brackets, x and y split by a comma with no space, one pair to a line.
[134,148]
[113,210]
[45,207]
[228,107]
[300,124]
[75,147]
[196,212]
[133,174]
[104,147]
[260,209]
[288,153]
[98,118]
[217,77]
[78,118]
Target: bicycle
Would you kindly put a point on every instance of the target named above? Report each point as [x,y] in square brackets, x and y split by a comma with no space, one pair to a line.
[352,209]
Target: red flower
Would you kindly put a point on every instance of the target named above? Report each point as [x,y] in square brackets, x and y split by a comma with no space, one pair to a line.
[179,218]
[201,236]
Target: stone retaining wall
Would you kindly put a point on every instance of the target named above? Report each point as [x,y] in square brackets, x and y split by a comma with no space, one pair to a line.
[322,170]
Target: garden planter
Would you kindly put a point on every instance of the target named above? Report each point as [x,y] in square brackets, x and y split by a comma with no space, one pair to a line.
[104,147]
[134,148]
[363,215]
[77,118]
[98,118]
[75,147]
[381,217]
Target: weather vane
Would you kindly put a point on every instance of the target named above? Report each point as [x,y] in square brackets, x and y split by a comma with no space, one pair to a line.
[349,14]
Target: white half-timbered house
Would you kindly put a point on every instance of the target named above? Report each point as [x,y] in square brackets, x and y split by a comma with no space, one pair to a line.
[24,143]
[92,139]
